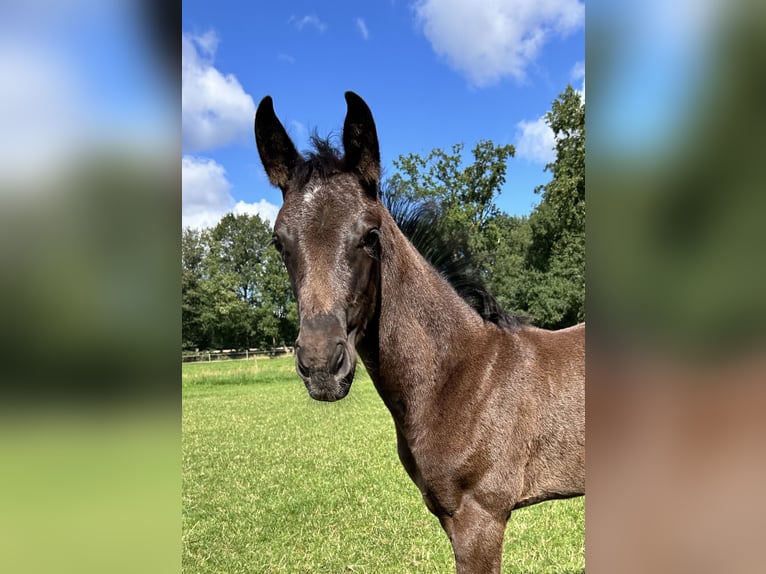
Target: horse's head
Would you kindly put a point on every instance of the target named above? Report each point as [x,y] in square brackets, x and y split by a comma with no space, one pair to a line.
[328,234]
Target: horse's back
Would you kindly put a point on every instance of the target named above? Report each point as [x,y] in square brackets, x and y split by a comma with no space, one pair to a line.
[555,358]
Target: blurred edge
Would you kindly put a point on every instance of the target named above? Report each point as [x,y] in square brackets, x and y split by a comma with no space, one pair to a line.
[89,293]
[676,293]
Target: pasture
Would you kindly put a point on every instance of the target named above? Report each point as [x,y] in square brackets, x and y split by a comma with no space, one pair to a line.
[276,482]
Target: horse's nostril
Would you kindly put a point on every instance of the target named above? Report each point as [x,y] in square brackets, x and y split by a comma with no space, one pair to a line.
[303,370]
[340,357]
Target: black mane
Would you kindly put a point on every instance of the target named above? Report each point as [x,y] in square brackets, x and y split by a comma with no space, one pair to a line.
[323,159]
[423,226]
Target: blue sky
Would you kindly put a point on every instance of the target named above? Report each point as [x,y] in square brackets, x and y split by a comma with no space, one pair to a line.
[86,75]
[434,73]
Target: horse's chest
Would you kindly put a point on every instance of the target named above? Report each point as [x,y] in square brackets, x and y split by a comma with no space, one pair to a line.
[422,480]
[434,473]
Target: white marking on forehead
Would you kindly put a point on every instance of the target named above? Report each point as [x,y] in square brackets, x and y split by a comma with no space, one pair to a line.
[311,192]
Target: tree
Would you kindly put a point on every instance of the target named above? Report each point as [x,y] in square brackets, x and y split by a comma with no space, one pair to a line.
[278,301]
[235,289]
[464,194]
[238,246]
[193,252]
[506,269]
[554,289]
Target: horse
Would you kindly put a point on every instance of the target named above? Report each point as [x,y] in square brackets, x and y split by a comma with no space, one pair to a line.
[489,416]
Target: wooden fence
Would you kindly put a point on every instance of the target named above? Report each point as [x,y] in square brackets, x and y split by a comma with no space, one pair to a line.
[232,354]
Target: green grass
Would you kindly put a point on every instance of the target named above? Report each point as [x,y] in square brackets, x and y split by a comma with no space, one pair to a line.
[276,482]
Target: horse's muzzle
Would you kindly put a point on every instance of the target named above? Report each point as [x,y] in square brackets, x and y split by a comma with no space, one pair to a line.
[325,358]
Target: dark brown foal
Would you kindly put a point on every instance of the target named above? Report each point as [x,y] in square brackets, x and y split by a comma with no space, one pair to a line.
[488,419]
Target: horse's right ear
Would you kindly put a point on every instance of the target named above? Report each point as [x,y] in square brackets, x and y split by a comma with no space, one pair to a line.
[278,154]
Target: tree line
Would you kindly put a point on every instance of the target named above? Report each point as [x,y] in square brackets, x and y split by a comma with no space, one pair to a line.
[235,290]
[236,293]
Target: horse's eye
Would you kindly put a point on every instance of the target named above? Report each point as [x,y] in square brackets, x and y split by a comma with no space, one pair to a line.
[371,239]
[371,242]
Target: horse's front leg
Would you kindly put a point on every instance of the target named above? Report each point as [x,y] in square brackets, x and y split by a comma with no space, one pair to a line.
[477,538]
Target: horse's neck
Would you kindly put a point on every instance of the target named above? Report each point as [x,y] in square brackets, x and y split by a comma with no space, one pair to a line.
[424,327]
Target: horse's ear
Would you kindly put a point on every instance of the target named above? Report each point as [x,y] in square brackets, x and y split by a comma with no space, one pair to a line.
[360,142]
[278,154]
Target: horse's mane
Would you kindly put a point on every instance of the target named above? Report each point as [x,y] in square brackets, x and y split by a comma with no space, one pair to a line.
[423,225]
[323,160]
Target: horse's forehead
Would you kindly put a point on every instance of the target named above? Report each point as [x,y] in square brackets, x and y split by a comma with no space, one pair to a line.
[324,195]
[330,202]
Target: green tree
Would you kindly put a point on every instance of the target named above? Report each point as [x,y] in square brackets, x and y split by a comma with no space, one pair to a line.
[506,269]
[238,247]
[194,332]
[465,194]
[554,287]
[278,302]
[235,289]
[231,320]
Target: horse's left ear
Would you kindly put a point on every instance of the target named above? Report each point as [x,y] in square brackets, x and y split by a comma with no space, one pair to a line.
[360,143]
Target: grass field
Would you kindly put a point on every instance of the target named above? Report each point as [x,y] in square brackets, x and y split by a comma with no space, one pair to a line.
[276,482]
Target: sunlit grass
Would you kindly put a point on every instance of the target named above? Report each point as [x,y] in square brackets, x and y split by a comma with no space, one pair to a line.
[276,482]
[239,372]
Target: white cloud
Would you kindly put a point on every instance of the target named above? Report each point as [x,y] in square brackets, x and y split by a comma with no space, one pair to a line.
[216,110]
[309,20]
[206,195]
[362,25]
[535,141]
[578,75]
[262,208]
[578,71]
[207,42]
[298,131]
[205,192]
[495,39]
